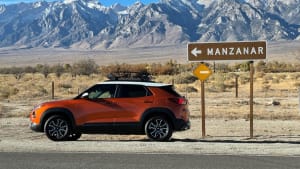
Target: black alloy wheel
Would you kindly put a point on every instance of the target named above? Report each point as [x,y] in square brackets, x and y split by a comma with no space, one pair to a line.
[158,129]
[57,128]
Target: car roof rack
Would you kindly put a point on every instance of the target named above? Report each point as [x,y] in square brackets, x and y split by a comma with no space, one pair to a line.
[130,76]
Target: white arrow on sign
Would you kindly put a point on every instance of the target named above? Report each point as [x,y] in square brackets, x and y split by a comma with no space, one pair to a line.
[195,52]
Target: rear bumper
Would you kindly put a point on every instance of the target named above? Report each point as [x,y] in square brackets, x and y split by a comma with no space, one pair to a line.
[36,127]
[181,125]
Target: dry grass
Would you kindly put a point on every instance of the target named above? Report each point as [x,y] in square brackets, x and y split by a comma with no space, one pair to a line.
[17,97]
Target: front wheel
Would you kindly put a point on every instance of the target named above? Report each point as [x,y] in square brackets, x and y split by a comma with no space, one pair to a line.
[57,128]
[158,129]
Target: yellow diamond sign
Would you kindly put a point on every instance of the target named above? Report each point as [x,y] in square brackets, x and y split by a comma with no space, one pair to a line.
[202,72]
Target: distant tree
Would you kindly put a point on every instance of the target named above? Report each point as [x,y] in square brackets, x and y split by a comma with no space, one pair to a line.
[58,69]
[85,67]
[68,68]
[18,72]
[43,69]
[261,66]
[29,69]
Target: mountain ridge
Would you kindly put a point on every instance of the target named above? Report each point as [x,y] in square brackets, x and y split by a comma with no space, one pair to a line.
[88,24]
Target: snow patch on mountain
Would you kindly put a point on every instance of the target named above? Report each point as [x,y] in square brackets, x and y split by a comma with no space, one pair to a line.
[206,3]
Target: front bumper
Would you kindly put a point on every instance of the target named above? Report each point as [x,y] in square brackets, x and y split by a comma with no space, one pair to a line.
[36,127]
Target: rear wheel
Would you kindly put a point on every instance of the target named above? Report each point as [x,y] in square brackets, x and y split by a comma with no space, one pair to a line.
[158,129]
[57,128]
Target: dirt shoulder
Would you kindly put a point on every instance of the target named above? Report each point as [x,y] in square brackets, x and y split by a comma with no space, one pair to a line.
[272,137]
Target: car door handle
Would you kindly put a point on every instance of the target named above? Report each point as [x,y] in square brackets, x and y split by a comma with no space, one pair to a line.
[148,101]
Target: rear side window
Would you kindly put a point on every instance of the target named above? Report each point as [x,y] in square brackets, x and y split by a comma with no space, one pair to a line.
[131,91]
[170,89]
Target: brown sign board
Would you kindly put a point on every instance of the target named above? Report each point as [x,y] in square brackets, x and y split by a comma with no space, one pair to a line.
[227,51]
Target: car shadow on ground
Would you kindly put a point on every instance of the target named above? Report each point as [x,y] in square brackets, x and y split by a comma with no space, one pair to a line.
[293,139]
[258,139]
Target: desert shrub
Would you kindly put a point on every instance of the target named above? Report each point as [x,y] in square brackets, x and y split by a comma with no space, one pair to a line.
[281,76]
[260,66]
[186,89]
[164,79]
[4,94]
[124,68]
[65,85]
[160,69]
[260,74]
[230,84]
[297,76]
[275,80]
[294,76]
[244,79]
[276,67]
[190,89]
[230,76]
[265,81]
[297,84]
[242,67]
[219,82]
[41,91]
[185,78]
[266,87]
[13,91]
[221,67]
[268,77]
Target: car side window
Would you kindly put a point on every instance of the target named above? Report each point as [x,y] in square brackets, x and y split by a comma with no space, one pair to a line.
[131,91]
[102,91]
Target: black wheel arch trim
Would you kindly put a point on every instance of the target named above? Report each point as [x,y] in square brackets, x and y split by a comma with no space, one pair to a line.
[159,111]
[58,111]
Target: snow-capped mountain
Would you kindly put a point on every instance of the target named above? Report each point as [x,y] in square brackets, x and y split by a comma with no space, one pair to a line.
[287,9]
[89,24]
[237,20]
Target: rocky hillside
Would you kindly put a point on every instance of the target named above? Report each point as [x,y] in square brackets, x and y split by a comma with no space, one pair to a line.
[88,24]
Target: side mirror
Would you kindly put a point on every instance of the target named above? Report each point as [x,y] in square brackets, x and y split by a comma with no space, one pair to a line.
[85,95]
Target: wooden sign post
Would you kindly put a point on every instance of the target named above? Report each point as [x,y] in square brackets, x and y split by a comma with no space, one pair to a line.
[207,51]
[202,72]
[251,98]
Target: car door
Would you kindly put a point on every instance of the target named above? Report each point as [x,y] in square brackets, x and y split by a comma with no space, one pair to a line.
[132,101]
[97,104]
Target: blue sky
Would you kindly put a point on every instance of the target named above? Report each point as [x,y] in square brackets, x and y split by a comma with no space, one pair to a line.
[104,2]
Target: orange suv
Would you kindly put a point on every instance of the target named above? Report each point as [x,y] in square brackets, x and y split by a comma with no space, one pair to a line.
[114,107]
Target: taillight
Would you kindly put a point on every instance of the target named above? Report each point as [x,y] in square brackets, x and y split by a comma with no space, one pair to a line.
[179,100]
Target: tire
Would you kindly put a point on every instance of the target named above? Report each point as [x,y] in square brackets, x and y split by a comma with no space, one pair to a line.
[57,128]
[158,129]
[74,136]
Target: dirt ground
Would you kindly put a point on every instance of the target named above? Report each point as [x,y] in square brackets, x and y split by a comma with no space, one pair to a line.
[276,126]
[272,137]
